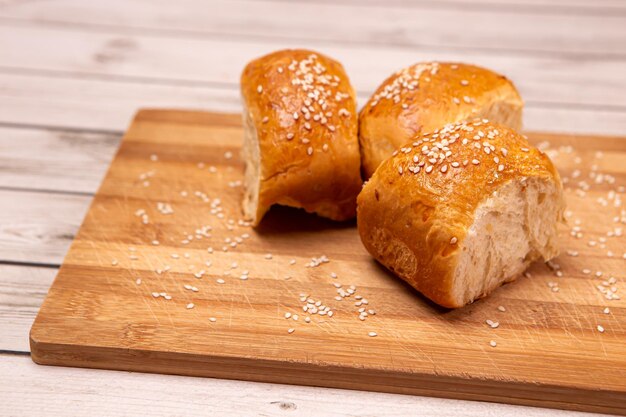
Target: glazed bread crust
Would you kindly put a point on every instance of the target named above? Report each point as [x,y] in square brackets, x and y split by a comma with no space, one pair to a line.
[301,146]
[458,212]
[427,96]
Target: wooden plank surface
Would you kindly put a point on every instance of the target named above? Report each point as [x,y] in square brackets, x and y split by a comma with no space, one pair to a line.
[483,30]
[549,351]
[22,290]
[66,160]
[54,391]
[162,58]
[38,227]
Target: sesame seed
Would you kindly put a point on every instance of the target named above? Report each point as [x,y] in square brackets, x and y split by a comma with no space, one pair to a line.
[444,168]
[501,308]
[212,319]
[265,120]
[268,256]
[259,89]
[600,329]
[289,136]
[475,161]
[287,315]
[220,281]
[454,240]
[493,343]
[190,306]
[291,330]
[492,324]
[606,310]
[500,168]
[372,334]
[309,150]
[464,82]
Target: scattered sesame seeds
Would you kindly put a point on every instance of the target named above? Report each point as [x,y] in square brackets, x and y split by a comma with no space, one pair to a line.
[492,324]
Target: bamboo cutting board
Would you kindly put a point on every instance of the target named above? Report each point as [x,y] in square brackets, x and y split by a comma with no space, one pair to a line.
[163,276]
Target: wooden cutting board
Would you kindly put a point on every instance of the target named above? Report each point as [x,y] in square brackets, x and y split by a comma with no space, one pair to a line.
[173,192]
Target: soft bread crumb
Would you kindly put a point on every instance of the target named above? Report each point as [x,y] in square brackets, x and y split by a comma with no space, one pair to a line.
[252,179]
[515,226]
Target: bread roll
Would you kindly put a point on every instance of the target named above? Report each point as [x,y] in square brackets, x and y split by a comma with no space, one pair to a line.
[458,212]
[425,97]
[300,146]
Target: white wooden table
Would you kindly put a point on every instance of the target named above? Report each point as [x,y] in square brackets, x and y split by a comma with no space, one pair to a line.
[72,73]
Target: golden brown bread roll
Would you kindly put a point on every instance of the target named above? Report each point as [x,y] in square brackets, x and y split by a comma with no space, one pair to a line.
[301,146]
[425,97]
[458,212]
